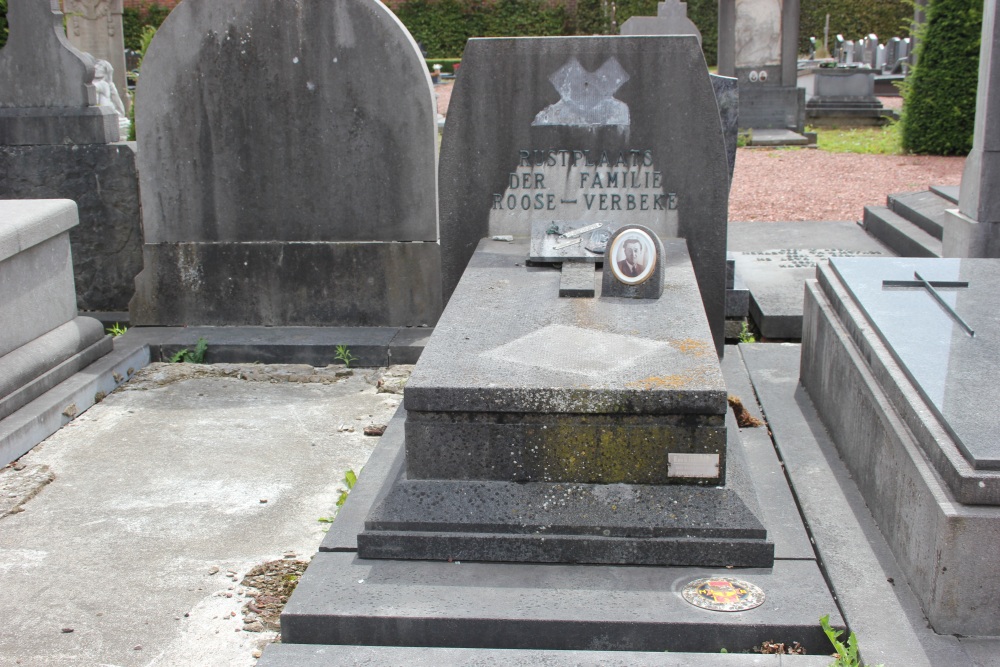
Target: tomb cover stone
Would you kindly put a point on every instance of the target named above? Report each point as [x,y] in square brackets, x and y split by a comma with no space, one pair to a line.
[944,345]
[543,429]
[287,168]
[583,130]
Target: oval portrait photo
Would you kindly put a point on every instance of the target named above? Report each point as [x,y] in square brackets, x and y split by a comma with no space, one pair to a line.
[633,257]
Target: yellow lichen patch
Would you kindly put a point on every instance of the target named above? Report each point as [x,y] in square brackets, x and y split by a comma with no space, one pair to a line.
[693,346]
[661,382]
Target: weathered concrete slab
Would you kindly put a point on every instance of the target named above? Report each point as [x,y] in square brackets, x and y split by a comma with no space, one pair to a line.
[159,492]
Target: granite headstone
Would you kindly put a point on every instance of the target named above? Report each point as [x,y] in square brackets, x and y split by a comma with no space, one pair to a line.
[287,168]
[588,129]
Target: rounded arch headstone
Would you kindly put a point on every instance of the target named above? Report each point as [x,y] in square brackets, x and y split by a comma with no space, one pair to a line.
[287,168]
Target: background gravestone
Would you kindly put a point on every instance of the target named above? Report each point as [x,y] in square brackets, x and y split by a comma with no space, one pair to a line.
[287,164]
[671,19]
[758,44]
[95,27]
[659,122]
[55,143]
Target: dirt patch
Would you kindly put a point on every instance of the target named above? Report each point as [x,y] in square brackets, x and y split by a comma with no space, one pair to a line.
[19,483]
[269,586]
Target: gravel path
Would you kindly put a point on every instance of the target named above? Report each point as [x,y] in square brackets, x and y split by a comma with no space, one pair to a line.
[804,184]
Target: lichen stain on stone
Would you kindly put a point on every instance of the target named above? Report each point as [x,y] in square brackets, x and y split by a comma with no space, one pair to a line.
[693,347]
[652,382]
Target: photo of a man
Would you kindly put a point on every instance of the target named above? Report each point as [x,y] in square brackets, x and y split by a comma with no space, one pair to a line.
[631,265]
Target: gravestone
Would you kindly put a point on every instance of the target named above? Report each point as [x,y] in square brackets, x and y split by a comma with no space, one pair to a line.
[973,229]
[55,142]
[95,27]
[278,189]
[758,45]
[594,138]
[671,19]
[892,54]
[543,429]
[521,394]
[897,356]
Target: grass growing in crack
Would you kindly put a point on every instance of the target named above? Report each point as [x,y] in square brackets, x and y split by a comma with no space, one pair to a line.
[343,353]
[847,655]
[197,356]
[350,479]
[116,329]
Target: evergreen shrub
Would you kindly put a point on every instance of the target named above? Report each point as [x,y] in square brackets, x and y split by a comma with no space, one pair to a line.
[939,112]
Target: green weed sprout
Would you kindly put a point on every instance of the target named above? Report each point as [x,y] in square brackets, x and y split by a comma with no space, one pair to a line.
[344,354]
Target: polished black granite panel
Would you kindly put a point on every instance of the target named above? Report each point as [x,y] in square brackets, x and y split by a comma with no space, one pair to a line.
[951,369]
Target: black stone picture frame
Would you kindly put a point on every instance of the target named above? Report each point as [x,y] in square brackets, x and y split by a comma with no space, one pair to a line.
[633,264]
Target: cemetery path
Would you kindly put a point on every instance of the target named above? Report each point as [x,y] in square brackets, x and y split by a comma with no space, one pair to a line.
[792,185]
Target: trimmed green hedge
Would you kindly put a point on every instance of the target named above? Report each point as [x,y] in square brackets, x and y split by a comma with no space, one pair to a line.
[134,20]
[939,113]
[854,19]
[443,26]
[3,22]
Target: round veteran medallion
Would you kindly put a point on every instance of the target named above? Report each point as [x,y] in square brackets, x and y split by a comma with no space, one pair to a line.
[723,594]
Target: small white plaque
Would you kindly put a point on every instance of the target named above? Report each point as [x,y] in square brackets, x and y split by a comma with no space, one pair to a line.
[692,465]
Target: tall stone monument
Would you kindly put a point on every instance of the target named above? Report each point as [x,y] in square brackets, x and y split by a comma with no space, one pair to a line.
[95,27]
[973,229]
[758,44]
[278,186]
[56,142]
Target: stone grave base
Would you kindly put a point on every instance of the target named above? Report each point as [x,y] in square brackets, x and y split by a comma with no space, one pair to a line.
[291,284]
[886,435]
[345,599]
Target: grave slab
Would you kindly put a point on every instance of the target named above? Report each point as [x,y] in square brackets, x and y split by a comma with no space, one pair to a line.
[950,377]
[938,513]
[347,600]
[774,259]
[504,415]
[869,582]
